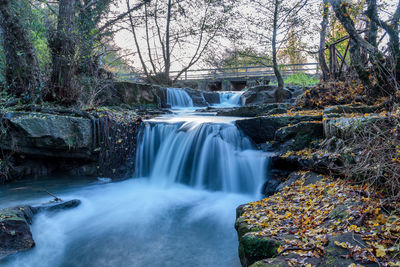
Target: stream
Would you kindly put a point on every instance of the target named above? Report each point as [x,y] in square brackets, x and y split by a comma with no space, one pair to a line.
[192,170]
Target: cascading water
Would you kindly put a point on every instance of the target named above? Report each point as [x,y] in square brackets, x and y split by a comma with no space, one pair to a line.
[214,156]
[193,171]
[178,98]
[230,99]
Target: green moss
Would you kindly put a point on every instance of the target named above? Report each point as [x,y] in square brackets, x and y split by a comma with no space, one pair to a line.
[253,248]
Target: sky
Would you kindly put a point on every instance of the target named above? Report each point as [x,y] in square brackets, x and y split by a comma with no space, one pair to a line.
[124,38]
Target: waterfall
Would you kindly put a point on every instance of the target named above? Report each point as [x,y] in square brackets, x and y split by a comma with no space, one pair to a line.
[178,98]
[213,156]
[230,99]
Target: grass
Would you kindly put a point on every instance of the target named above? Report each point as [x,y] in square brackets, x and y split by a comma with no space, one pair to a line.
[299,79]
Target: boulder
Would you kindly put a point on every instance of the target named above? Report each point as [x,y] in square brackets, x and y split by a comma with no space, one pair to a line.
[299,135]
[15,235]
[47,135]
[262,129]
[197,97]
[262,94]
[270,186]
[211,98]
[253,248]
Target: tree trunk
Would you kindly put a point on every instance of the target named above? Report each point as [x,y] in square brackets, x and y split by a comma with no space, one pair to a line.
[322,41]
[358,43]
[372,11]
[63,52]
[279,93]
[22,69]
[87,30]
[167,41]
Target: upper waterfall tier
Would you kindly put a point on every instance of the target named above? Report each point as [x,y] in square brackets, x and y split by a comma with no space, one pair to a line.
[230,99]
[178,98]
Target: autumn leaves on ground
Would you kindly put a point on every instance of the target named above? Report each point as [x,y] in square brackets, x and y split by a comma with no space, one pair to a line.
[306,216]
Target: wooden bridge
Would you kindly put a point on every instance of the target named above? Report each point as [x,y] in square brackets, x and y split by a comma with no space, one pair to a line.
[235,78]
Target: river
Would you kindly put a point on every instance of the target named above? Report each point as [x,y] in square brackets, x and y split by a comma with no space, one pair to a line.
[192,171]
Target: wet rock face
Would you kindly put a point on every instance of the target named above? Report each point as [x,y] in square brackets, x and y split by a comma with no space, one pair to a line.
[15,235]
[212,98]
[197,97]
[46,142]
[47,135]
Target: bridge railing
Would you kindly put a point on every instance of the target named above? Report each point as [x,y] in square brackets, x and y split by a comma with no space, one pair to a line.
[246,71]
[237,72]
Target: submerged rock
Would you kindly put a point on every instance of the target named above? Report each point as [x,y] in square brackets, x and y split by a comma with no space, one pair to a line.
[56,206]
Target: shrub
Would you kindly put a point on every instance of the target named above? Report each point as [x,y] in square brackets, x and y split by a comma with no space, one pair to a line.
[372,155]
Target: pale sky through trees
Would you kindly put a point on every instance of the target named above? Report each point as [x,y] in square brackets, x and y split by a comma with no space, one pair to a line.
[124,38]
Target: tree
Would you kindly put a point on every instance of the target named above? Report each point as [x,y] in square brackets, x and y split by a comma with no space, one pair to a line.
[93,25]
[63,52]
[279,94]
[236,57]
[176,33]
[322,42]
[22,69]
[273,23]
[387,76]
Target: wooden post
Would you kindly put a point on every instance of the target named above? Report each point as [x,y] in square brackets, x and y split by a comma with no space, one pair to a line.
[333,62]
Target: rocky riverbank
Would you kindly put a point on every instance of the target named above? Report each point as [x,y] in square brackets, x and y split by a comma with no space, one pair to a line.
[310,217]
[318,221]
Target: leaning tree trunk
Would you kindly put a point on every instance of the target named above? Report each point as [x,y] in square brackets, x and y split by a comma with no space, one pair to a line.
[279,93]
[358,43]
[63,52]
[22,69]
[322,41]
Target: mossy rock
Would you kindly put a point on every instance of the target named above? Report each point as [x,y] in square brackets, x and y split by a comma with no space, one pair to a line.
[15,234]
[253,248]
[301,134]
